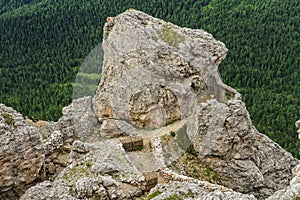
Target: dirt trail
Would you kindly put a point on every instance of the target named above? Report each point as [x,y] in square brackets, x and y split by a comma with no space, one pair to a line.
[164,130]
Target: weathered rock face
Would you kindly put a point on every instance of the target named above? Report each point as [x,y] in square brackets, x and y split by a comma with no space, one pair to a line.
[182,190]
[96,171]
[155,72]
[293,191]
[21,154]
[78,120]
[247,161]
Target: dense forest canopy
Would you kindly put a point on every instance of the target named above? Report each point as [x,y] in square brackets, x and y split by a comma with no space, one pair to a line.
[44,42]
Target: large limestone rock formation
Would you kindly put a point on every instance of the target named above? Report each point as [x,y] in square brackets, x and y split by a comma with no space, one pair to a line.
[159,82]
[155,72]
[21,154]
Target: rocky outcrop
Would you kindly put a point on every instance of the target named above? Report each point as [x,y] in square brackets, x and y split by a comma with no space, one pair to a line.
[21,154]
[155,72]
[293,191]
[78,120]
[95,171]
[160,83]
[33,151]
[247,161]
[77,123]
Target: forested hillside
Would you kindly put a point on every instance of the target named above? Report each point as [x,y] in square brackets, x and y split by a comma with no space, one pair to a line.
[44,42]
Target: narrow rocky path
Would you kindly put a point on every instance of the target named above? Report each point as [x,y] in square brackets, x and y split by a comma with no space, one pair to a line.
[163,130]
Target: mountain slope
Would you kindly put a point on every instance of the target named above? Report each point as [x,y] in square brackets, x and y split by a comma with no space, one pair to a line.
[43,43]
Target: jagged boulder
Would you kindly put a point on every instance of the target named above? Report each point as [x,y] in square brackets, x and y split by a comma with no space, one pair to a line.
[21,154]
[155,72]
[291,192]
[100,170]
[247,161]
[78,120]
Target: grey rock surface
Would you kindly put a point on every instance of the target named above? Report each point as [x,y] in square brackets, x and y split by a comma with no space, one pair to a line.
[247,161]
[182,190]
[292,191]
[155,72]
[78,120]
[21,154]
[95,171]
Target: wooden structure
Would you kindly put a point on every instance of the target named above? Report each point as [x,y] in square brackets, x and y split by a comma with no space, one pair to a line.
[151,180]
[132,143]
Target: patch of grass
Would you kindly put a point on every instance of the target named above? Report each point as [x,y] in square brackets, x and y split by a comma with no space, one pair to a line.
[170,36]
[189,194]
[191,151]
[154,194]
[74,173]
[174,197]
[154,38]
[96,197]
[211,175]
[8,118]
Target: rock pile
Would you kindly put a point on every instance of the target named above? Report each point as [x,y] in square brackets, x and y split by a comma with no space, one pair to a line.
[22,154]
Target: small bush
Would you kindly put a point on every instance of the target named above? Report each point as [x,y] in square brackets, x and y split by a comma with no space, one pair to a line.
[88,165]
[191,150]
[172,133]
[139,148]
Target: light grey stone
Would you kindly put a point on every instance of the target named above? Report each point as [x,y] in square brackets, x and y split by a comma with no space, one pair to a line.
[247,161]
[21,153]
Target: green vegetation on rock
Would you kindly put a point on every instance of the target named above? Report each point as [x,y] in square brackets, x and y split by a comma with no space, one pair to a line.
[170,36]
[8,118]
[154,194]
